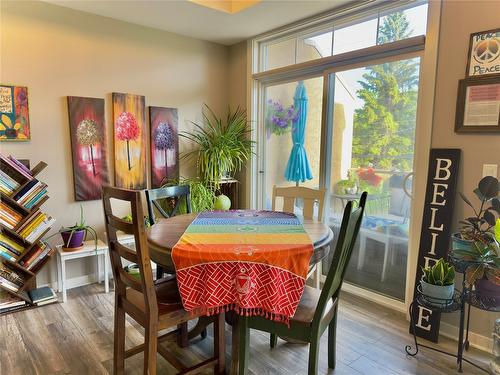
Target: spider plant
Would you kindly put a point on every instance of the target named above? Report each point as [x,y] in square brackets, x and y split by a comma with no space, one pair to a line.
[222,148]
[202,197]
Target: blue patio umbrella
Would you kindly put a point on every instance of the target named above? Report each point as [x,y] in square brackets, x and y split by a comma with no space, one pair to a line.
[298,168]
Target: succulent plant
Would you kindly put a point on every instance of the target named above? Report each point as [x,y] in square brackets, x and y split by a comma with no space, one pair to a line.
[441,273]
[484,259]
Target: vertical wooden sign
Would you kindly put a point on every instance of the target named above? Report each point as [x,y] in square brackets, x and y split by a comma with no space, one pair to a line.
[436,228]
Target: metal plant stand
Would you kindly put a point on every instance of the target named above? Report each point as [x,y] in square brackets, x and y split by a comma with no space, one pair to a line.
[456,303]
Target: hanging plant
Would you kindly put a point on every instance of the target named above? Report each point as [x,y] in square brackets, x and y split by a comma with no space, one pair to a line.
[87,134]
[127,130]
[279,119]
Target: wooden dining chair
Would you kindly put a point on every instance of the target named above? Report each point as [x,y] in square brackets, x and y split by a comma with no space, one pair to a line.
[154,305]
[309,196]
[155,198]
[317,309]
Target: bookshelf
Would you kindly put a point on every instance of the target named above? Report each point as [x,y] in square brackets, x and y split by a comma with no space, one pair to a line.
[22,226]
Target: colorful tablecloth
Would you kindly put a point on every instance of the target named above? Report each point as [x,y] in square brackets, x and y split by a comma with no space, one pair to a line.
[252,262]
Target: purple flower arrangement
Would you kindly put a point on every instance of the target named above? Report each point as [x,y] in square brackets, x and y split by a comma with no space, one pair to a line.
[279,119]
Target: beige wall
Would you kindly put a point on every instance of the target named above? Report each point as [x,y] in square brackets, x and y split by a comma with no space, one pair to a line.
[458,20]
[58,52]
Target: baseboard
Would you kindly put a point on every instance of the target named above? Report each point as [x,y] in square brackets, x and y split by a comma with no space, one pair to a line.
[477,341]
[374,297]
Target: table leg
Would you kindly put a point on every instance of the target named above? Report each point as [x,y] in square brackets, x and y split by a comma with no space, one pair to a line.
[63,275]
[59,272]
[106,273]
[200,327]
[98,278]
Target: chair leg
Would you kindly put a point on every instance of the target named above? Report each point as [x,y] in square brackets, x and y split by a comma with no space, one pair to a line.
[332,340]
[244,336]
[150,349]
[119,341]
[204,334]
[273,340]
[182,336]
[159,272]
[313,356]
[220,344]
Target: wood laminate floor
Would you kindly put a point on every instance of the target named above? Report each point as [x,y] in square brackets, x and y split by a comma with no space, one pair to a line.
[77,338]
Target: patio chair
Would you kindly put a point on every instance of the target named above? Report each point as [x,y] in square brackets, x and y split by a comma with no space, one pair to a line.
[309,197]
[317,309]
[156,306]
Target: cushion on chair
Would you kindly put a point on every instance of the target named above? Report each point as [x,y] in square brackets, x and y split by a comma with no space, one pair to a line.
[307,306]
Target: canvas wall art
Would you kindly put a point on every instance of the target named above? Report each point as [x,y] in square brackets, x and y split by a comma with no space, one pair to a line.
[88,146]
[130,138]
[14,113]
[164,145]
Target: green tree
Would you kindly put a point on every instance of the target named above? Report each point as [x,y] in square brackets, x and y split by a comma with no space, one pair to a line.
[384,127]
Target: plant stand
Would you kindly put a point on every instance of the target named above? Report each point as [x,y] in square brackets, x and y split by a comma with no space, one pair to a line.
[457,303]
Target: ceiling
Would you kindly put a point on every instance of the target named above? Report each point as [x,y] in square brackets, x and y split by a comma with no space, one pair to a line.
[193,20]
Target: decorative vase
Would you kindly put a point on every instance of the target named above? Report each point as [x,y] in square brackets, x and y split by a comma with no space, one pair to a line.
[458,243]
[71,241]
[437,294]
[486,289]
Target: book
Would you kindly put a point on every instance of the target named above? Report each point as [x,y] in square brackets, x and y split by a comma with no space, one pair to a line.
[7,256]
[32,193]
[41,256]
[42,294]
[7,273]
[36,233]
[20,165]
[32,202]
[28,220]
[10,244]
[34,253]
[8,301]
[33,223]
[25,189]
[8,284]
[4,310]
[15,167]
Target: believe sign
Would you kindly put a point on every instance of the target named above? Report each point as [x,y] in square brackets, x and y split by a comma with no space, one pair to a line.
[436,228]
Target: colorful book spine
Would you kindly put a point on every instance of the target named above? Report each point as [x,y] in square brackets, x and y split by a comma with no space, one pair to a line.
[37,198]
[14,166]
[6,255]
[39,258]
[34,253]
[20,165]
[35,234]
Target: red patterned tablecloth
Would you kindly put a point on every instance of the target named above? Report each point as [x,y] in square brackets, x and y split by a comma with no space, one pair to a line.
[252,262]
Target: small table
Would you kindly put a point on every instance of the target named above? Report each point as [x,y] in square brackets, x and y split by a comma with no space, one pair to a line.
[88,250]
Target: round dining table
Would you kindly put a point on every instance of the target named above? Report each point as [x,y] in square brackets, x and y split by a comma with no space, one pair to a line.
[166,232]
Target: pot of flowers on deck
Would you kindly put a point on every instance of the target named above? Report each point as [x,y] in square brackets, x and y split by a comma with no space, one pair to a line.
[438,283]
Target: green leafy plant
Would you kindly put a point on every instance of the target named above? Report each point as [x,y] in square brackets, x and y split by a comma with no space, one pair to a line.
[441,273]
[129,218]
[202,196]
[484,259]
[342,185]
[222,147]
[480,226]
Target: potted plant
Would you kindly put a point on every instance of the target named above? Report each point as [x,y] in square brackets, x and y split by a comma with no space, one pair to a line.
[74,236]
[483,271]
[347,187]
[223,148]
[480,226]
[202,196]
[438,283]
[279,119]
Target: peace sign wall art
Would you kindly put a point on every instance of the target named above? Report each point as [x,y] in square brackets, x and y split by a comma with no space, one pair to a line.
[484,54]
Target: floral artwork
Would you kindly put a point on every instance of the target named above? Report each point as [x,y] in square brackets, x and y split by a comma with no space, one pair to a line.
[88,146]
[279,119]
[130,134]
[14,113]
[164,145]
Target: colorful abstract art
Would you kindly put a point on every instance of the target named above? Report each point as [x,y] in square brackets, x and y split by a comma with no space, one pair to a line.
[164,145]
[130,136]
[88,146]
[14,113]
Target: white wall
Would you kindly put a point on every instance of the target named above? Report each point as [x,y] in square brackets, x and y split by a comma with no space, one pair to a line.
[57,52]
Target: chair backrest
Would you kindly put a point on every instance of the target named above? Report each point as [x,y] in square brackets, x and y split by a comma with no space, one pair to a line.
[154,196]
[349,229]
[309,196]
[117,251]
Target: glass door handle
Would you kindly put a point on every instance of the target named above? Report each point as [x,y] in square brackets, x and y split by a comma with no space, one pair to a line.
[404,184]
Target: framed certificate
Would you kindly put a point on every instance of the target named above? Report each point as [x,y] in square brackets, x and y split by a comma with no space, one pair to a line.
[478,105]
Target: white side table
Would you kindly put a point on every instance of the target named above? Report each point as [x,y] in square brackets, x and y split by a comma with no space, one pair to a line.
[88,250]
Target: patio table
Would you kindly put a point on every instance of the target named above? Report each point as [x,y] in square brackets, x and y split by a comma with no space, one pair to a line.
[165,234]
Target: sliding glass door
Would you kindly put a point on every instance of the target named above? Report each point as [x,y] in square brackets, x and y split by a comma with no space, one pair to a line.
[372,148]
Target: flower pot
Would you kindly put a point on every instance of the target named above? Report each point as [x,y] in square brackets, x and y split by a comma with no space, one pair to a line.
[457,243]
[486,289]
[437,295]
[73,241]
